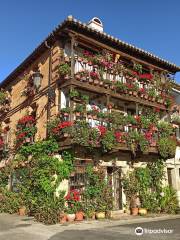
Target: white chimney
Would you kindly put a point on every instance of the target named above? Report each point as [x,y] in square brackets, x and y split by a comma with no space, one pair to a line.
[96,23]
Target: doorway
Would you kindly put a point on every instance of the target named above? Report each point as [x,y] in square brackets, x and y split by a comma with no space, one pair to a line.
[114,175]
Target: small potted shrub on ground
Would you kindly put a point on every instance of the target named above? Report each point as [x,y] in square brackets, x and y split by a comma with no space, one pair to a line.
[70,214]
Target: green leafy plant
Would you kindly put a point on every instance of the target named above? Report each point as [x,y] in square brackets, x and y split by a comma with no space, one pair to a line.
[64,69]
[167,147]
[73,93]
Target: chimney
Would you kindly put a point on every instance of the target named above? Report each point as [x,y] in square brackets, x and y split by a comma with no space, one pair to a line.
[96,24]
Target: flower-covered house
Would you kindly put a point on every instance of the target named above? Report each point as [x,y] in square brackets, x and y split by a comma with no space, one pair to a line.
[111,103]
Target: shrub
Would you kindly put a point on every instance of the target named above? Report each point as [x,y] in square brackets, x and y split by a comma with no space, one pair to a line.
[167,147]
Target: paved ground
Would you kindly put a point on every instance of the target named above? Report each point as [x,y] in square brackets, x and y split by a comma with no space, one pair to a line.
[12,227]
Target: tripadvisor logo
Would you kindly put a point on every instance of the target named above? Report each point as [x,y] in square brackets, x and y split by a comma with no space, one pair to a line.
[139,231]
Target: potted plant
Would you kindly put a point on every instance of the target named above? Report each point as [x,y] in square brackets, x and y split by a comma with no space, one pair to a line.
[85,98]
[79,109]
[73,93]
[22,211]
[62,217]
[95,76]
[79,211]
[134,205]
[64,70]
[70,214]
[65,111]
[107,83]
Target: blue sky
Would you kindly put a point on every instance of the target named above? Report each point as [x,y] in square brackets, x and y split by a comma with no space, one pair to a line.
[151,25]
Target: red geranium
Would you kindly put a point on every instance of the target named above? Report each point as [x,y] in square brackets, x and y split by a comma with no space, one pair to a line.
[1,143]
[21,135]
[118,136]
[147,76]
[102,130]
[142,90]
[26,119]
[65,124]
[148,136]
[73,195]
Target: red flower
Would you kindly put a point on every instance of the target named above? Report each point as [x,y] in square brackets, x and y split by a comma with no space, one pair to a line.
[21,135]
[148,136]
[137,118]
[147,76]
[94,75]
[118,136]
[65,124]
[73,195]
[142,90]
[157,109]
[102,130]
[1,142]
[26,119]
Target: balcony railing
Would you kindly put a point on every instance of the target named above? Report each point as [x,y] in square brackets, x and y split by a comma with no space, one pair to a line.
[114,76]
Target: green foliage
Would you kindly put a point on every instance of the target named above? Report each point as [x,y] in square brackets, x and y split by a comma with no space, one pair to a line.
[169,202]
[73,93]
[165,129]
[108,140]
[48,209]
[167,147]
[79,108]
[64,69]
[97,193]
[10,202]
[2,97]
[147,183]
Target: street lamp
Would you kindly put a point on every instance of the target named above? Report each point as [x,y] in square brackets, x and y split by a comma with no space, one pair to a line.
[37,79]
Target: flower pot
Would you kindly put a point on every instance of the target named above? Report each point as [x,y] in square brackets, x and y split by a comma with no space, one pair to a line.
[78,114]
[135,94]
[66,59]
[100,215]
[96,81]
[130,92]
[89,116]
[78,77]
[71,217]
[66,114]
[62,218]
[90,80]
[134,211]
[142,211]
[101,83]
[27,140]
[79,216]
[22,211]
[65,135]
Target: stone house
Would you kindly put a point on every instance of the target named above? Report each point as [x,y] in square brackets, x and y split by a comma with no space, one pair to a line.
[36,88]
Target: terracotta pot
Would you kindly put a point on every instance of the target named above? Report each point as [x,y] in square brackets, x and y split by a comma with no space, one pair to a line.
[96,82]
[65,134]
[101,83]
[62,218]
[130,92]
[79,216]
[90,80]
[89,116]
[22,211]
[66,114]
[71,217]
[78,114]
[142,211]
[100,215]
[66,77]
[134,211]
[78,77]
[27,140]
